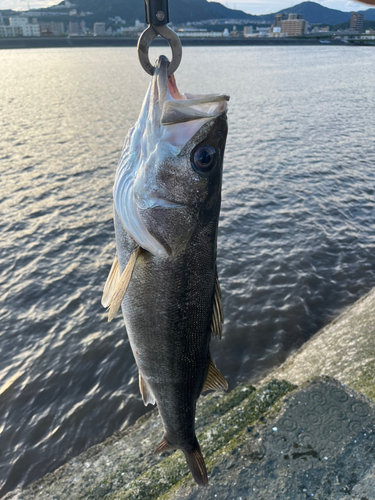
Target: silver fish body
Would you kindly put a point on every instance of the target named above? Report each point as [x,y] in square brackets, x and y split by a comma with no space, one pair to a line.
[166,221]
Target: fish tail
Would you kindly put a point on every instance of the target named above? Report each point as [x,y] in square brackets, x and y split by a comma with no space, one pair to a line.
[197,466]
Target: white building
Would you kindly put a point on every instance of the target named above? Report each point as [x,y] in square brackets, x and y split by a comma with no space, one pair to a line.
[263,31]
[27,28]
[6,31]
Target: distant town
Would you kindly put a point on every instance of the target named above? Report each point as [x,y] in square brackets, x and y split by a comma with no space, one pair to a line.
[286,25]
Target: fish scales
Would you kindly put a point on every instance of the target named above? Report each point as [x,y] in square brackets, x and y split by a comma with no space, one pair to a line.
[171,341]
[167,203]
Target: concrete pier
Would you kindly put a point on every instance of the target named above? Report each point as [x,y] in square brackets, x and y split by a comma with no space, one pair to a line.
[307,431]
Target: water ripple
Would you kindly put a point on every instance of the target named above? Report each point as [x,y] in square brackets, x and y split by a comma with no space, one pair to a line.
[296,241]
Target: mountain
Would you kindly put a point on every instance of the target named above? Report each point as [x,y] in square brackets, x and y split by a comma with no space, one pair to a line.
[181,11]
[369,14]
[315,13]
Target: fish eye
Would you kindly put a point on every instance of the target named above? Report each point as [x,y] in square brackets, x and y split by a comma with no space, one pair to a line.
[204,158]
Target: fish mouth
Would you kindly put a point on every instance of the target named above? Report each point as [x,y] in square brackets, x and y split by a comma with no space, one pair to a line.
[167,122]
[177,108]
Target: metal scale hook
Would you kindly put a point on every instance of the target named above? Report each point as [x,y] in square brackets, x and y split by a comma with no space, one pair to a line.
[157,17]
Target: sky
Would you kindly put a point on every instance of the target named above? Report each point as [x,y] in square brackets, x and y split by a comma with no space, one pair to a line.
[250,6]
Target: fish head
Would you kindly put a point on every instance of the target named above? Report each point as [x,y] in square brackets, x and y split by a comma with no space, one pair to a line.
[168,182]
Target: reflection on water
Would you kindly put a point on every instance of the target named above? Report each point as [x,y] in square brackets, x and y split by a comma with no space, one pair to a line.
[296,239]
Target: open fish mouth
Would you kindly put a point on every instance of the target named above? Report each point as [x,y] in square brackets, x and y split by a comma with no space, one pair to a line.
[167,122]
[184,114]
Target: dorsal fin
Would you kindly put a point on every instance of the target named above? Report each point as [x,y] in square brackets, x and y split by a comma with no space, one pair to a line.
[217,311]
[147,396]
[122,285]
[110,284]
[214,381]
[163,446]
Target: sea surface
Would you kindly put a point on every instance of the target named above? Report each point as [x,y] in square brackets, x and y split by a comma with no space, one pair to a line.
[296,242]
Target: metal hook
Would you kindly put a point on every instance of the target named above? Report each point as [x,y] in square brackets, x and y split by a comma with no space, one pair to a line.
[145,41]
[157,16]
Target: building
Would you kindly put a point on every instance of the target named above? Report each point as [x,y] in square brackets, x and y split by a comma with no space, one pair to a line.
[276,32]
[1,19]
[6,31]
[138,25]
[52,29]
[198,33]
[356,22]
[73,28]
[99,29]
[263,31]
[279,18]
[248,31]
[295,25]
[27,28]
[294,17]
[135,30]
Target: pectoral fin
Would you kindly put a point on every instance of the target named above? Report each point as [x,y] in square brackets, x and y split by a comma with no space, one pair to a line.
[122,285]
[214,381]
[110,284]
[217,312]
[147,396]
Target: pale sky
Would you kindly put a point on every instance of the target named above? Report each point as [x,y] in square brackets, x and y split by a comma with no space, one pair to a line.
[252,6]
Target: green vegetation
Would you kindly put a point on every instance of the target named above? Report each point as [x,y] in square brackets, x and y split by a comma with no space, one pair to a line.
[221,437]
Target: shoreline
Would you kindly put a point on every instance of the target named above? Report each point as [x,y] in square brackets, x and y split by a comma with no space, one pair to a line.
[311,413]
[78,41]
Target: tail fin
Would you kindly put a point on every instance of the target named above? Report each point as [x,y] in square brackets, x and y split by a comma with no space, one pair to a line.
[197,466]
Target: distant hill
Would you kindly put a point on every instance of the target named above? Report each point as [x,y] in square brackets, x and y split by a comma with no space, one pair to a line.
[316,14]
[181,11]
[369,14]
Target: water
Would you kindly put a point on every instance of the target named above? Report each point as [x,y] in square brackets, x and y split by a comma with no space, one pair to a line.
[296,240]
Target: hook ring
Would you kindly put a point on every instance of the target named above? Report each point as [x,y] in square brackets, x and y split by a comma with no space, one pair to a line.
[145,41]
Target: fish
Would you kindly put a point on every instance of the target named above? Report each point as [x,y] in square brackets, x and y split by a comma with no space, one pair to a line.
[167,197]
